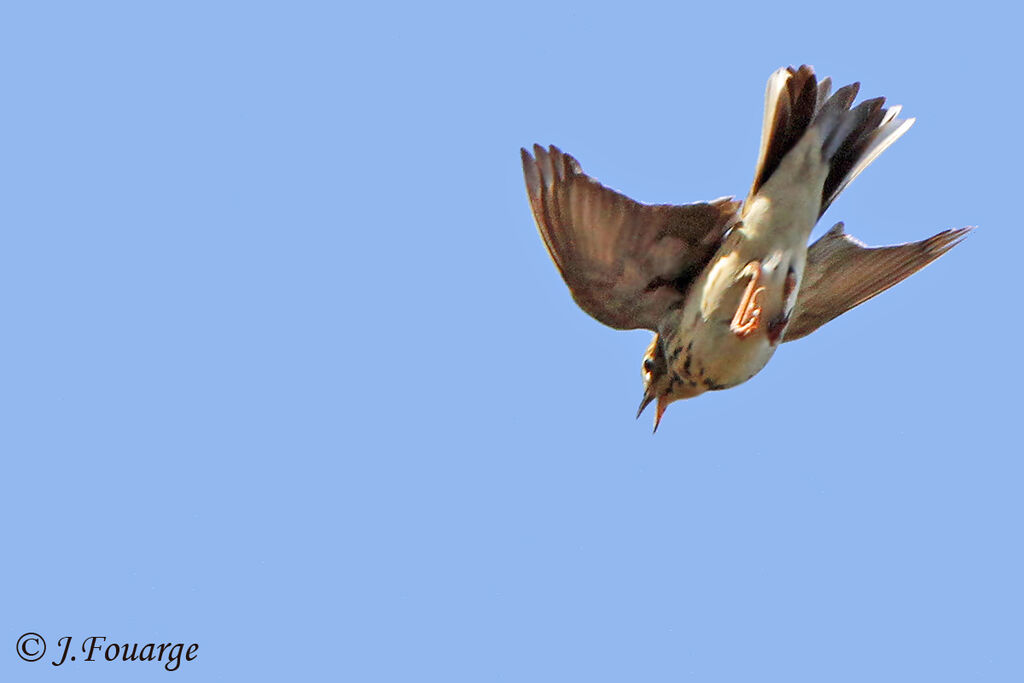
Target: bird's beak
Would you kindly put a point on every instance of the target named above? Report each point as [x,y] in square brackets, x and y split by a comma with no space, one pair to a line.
[644,403]
[659,409]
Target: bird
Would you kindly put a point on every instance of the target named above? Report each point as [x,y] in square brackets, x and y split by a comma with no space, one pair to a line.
[723,283]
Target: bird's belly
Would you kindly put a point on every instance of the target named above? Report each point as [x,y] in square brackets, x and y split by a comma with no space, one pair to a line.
[718,345]
[719,359]
[737,313]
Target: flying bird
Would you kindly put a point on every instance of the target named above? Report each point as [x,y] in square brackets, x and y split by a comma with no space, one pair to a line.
[723,283]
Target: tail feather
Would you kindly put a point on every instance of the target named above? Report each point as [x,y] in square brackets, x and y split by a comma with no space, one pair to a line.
[851,138]
[824,90]
[874,140]
[790,103]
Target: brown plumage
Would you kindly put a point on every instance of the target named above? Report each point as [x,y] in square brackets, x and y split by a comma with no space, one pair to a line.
[843,272]
[722,286]
[625,262]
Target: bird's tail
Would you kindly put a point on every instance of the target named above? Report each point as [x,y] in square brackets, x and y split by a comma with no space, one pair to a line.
[851,138]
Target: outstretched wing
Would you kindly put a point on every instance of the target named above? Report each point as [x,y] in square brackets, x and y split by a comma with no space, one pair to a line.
[625,263]
[842,272]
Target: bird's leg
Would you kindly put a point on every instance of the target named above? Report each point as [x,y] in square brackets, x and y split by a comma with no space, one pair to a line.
[776,326]
[748,313]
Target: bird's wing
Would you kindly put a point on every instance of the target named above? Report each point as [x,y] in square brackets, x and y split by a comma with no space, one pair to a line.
[625,263]
[842,272]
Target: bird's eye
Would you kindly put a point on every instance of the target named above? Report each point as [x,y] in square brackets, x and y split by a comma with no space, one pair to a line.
[648,365]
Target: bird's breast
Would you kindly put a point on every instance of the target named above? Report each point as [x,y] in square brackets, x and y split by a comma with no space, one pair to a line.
[745,301]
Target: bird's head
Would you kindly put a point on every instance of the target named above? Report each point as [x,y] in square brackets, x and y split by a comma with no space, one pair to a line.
[659,385]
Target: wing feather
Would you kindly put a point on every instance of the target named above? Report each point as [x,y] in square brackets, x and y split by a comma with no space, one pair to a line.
[842,273]
[625,263]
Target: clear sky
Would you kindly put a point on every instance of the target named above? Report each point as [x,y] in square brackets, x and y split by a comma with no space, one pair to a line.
[286,371]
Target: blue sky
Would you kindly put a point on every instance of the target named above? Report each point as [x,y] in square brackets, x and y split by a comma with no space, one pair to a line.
[286,370]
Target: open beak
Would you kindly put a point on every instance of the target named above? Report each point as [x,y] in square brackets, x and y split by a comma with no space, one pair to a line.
[658,411]
[643,404]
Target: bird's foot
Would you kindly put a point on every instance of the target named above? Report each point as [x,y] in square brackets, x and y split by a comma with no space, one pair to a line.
[748,314]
